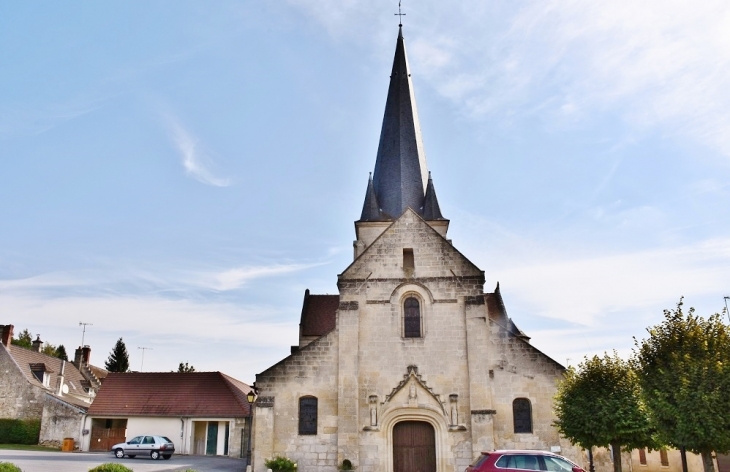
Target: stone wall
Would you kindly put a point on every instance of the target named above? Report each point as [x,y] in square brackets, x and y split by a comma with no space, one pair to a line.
[60,421]
[18,398]
[311,371]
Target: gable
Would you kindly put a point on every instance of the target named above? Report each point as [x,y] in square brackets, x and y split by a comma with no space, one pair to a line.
[433,255]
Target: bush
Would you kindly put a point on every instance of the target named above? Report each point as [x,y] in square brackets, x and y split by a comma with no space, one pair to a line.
[346,465]
[110,467]
[8,467]
[280,464]
[19,431]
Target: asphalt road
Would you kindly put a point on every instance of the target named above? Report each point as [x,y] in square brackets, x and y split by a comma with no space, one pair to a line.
[41,461]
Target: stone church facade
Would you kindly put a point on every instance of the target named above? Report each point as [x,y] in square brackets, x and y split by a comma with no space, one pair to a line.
[412,366]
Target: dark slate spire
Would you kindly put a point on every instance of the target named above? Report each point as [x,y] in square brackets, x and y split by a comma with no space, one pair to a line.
[371,209]
[431,210]
[400,177]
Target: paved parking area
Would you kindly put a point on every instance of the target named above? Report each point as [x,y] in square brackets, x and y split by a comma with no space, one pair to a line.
[41,461]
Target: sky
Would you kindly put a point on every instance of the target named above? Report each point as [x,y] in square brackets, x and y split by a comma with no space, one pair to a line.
[178,173]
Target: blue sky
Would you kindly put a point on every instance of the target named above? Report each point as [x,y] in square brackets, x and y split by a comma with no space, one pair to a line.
[178,173]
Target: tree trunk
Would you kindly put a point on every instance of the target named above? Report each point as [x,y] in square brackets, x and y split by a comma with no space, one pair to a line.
[709,466]
[616,449]
[591,467]
[683,455]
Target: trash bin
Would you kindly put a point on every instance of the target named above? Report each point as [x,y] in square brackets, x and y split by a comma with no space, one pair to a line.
[68,445]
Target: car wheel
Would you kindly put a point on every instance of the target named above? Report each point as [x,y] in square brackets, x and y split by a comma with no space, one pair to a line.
[119,453]
[131,456]
[155,455]
[166,456]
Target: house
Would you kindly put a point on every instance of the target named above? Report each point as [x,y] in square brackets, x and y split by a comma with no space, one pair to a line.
[37,386]
[412,365]
[201,412]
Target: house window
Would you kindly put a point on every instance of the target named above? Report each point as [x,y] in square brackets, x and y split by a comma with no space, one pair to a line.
[522,415]
[664,458]
[642,456]
[411,318]
[308,415]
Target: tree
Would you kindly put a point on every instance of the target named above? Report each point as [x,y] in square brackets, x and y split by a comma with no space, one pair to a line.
[25,339]
[684,371]
[118,359]
[49,349]
[600,405]
[182,368]
[61,352]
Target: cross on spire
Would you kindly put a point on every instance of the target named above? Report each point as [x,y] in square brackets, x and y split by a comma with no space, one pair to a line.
[399,15]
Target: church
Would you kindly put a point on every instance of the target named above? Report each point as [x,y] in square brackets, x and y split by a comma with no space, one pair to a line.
[413,366]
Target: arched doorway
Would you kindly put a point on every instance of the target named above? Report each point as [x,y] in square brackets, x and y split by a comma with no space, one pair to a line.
[414,447]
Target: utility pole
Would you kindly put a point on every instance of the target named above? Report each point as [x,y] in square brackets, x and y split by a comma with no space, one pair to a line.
[726,310]
[83,333]
[143,350]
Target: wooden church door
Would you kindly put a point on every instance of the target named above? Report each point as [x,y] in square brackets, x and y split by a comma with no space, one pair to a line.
[414,447]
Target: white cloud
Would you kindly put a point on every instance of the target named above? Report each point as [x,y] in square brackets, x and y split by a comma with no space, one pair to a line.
[193,160]
[235,278]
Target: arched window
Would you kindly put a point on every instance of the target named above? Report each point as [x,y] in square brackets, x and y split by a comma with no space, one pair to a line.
[412,318]
[522,415]
[308,415]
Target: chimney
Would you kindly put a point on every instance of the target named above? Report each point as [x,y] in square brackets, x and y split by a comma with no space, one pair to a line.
[86,354]
[59,392]
[77,357]
[7,334]
[37,344]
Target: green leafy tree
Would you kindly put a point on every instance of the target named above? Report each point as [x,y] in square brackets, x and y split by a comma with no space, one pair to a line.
[684,370]
[49,349]
[61,352]
[600,405]
[182,368]
[118,359]
[25,339]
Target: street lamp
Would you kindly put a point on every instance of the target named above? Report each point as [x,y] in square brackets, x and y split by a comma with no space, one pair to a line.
[251,397]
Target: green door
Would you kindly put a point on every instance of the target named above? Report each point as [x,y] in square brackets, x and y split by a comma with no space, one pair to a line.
[211,446]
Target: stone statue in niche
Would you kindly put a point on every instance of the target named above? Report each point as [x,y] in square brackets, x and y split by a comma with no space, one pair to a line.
[373,410]
[412,392]
[454,398]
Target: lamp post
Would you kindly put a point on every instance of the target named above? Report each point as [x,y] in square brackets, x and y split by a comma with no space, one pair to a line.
[251,397]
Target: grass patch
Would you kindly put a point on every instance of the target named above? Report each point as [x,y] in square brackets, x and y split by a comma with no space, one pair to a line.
[26,447]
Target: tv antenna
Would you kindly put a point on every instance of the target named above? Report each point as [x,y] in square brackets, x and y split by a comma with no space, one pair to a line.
[143,350]
[83,333]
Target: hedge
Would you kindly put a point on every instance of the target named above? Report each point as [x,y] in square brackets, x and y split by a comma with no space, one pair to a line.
[19,431]
[110,467]
[9,467]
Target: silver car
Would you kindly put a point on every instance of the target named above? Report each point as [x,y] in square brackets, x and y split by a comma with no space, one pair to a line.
[153,446]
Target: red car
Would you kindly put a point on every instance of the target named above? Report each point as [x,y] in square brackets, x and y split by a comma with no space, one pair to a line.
[519,461]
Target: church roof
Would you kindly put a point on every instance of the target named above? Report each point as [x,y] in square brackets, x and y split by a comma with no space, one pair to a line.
[319,314]
[197,394]
[401,174]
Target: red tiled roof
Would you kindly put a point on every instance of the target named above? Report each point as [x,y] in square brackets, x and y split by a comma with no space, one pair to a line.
[197,394]
[319,314]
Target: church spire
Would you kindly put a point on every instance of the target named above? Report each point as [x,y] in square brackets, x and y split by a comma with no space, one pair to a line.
[401,174]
